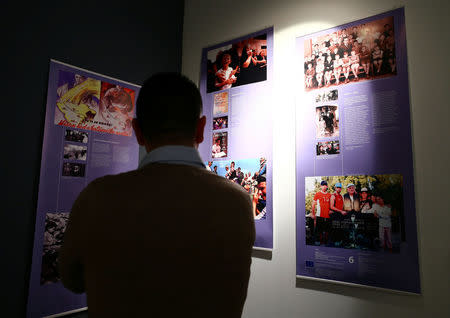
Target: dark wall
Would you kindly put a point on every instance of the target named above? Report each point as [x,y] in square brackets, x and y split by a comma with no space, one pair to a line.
[128,40]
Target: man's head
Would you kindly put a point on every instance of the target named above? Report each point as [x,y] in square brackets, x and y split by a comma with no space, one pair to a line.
[324,186]
[351,188]
[338,187]
[209,163]
[364,193]
[168,111]
[215,168]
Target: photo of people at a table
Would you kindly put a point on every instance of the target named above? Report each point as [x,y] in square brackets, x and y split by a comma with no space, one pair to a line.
[240,63]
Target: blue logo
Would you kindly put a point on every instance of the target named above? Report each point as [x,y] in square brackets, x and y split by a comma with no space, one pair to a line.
[309,264]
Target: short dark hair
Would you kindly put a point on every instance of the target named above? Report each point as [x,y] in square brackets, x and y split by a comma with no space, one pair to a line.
[168,103]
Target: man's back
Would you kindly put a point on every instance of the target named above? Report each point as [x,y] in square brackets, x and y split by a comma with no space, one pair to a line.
[162,241]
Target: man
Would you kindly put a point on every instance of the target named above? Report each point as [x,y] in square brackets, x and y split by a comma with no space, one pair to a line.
[351,200]
[208,167]
[215,170]
[321,212]
[337,214]
[259,200]
[154,242]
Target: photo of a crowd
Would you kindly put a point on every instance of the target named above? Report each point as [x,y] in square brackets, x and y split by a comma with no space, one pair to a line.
[55,226]
[76,136]
[71,169]
[328,96]
[220,122]
[237,64]
[219,147]
[327,148]
[327,121]
[355,212]
[358,53]
[75,152]
[250,174]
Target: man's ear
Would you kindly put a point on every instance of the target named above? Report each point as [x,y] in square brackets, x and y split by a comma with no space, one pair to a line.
[200,129]
[138,132]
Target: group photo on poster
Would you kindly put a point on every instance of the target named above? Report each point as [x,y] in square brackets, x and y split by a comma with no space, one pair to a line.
[243,62]
[91,104]
[248,173]
[355,212]
[328,148]
[358,53]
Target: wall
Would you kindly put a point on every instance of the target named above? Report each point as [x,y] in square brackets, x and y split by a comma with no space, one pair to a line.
[128,40]
[273,291]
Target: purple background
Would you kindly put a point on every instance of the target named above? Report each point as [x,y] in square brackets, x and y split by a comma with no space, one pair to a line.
[249,127]
[57,193]
[386,153]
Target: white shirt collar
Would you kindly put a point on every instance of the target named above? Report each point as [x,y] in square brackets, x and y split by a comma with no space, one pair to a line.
[179,155]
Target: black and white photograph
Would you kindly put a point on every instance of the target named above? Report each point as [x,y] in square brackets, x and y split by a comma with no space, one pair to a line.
[71,169]
[55,226]
[75,152]
[328,96]
[220,122]
[219,147]
[327,121]
[76,136]
[327,148]
[240,63]
[359,53]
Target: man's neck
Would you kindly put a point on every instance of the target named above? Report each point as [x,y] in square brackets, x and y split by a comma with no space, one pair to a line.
[186,143]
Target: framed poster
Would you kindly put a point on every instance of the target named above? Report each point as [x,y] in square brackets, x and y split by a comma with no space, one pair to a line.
[87,135]
[356,221]
[236,85]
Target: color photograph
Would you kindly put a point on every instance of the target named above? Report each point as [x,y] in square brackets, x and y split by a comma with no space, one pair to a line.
[237,64]
[220,122]
[219,147]
[250,174]
[362,212]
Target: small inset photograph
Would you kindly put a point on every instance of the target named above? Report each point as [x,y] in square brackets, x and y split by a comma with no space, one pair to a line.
[327,121]
[55,226]
[75,152]
[219,147]
[220,103]
[76,136]
[240,63]
[220,122]
[327,148]
[71,169]
[328,96]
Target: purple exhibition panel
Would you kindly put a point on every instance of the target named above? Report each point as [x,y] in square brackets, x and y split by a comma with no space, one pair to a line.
[87,134]
[356,220]
[236,85]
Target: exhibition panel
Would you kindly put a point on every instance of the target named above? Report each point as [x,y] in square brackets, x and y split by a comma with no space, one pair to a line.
[236,86]
[87,135]
[356,220]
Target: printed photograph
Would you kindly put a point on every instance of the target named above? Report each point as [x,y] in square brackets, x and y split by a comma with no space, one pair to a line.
[328,96]
[76,136]
[327,148]
[55,226]
[92,105]
[219,147]
[75,152]
[362,212]
[250,174]
[327,121]
[359,53]
[220,103]
[220,122]
[241,63]
[71,169]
